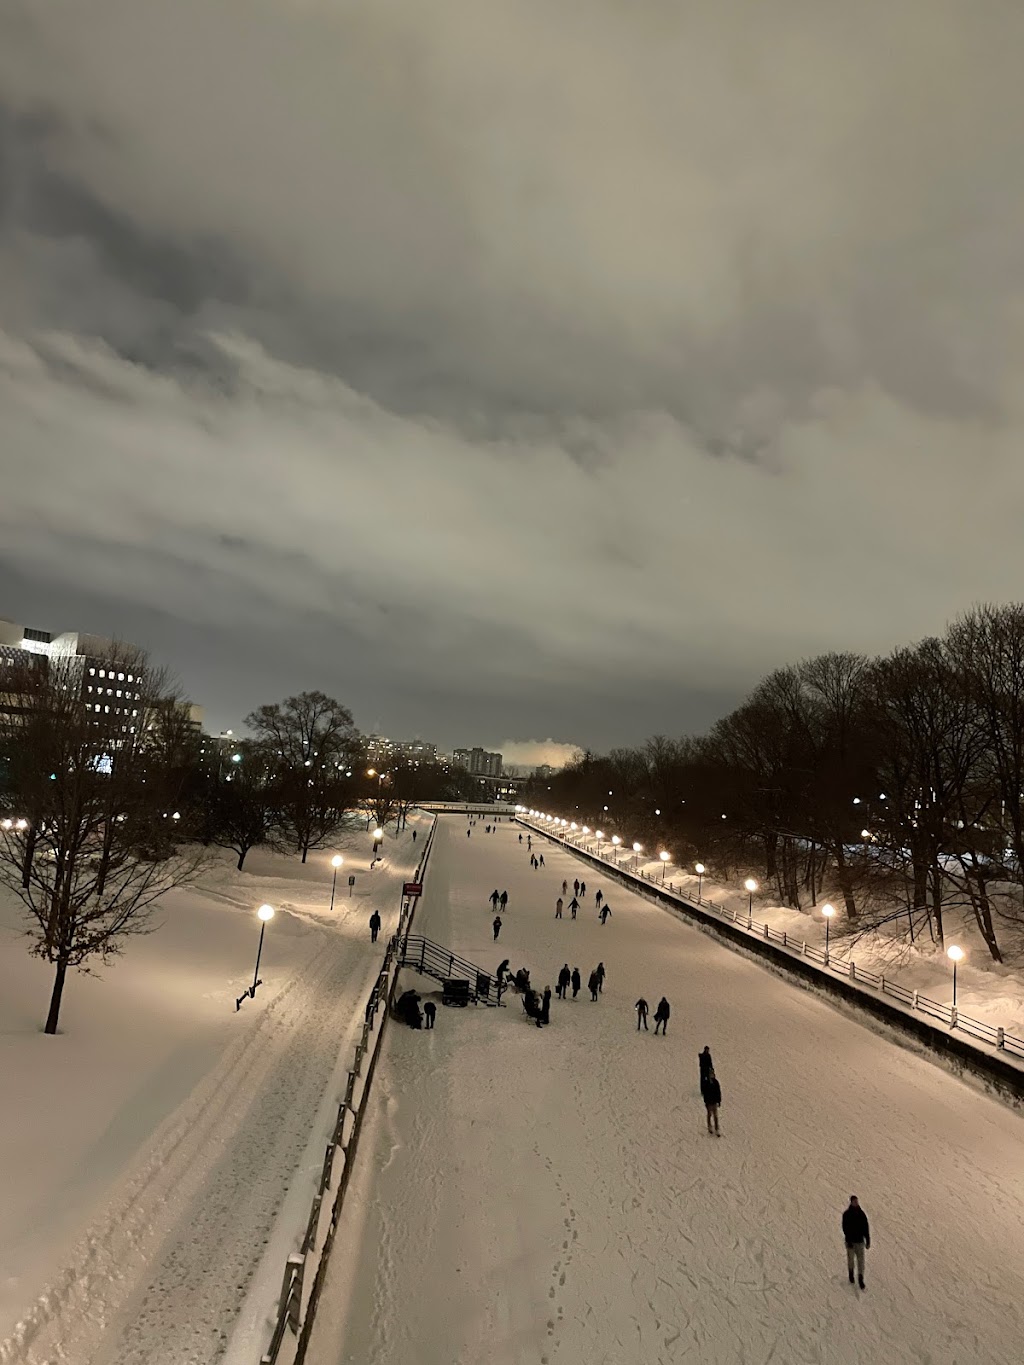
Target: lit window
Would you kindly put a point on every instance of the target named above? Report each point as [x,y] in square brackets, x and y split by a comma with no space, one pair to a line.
[103,672]
[130,678]
[107,710]
[120,677]
[118,691]
[92,672]
[134,713]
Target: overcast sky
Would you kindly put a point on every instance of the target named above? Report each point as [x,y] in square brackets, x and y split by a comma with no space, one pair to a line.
[508,369]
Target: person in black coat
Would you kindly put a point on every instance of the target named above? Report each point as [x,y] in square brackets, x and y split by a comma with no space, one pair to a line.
[496,926]
[577,982]
[564,977]
[574,905]
[429,1010]
[857,1236]
[600,976]
[494,898]
[374,926]
[706,1065]
[500,974]
[503,901]
[594,984]
[545,1008]
[711,1093]
[661,1015]
[641,1013]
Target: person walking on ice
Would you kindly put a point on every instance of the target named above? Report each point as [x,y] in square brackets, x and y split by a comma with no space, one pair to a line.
[576,886]
[857,1236]
[374,926]
[503,898]
[429,1010]
[558,908]
[574,905]
[600,976]
[577,982]
[565,887]
[661,1015]
[606,910]
[594,984]
[598,899]
[641,1013]
[496,927]
[542,860]
[544,1017]
[564,977]
[583,890]
[706,1065]
[711,1093]
[494,900]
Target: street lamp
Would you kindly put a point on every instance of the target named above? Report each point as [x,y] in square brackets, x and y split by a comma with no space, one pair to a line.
[616,841]
[664,859]
[700,869]
[336,862]
[265,913]
[637,850]
[955,955]
[598,836]
[828,911]
[378,835]
[750,886]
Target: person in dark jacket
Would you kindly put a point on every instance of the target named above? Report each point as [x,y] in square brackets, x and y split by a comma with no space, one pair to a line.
[429,1010]
[520,838]
[531,1003]
[565,888]
[574,905]
[414,836]
[857,1236]
[606,910]
[494,899]
[503,898]
[558,908]
[598,899]
[661,1015]
[576,886]
[545,1008]
[564,977]
[600,976]
[542,860]
[374,926]
[583,890]
[496,926]
[706,1065]
[641,1013]
[500,974]
[577,982]
[711,1093]
[594,984]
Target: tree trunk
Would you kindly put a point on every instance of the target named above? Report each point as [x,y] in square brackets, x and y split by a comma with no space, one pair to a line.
[241,858]
[845,880]
[58,991]
[983,914]
[30,852]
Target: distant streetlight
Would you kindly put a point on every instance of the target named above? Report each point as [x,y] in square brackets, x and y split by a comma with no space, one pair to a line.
[750,886]
[828,911]
[336,862]
[378,835]
[616,841]
[637,850]
[955,955]
[700,869]
[664,859]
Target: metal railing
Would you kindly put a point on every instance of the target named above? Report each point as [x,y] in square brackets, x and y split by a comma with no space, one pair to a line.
[296,1308]
[859,977]
[433,959]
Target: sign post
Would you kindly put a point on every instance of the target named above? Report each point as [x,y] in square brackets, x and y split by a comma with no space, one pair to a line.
[412,889]
[351,884]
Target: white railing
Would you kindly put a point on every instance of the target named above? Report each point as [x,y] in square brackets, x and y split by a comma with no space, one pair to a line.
[856,976]
[297,1304]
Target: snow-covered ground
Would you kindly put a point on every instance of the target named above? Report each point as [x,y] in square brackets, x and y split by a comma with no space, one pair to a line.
[148,1151]
[989,991]
[553,1197]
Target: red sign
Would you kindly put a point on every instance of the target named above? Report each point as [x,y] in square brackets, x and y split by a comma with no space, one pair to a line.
[412,889]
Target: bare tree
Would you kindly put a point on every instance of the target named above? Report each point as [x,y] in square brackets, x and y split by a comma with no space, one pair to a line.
[88,844]
[312,742]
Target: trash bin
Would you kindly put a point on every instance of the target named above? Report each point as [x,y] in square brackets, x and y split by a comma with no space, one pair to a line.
[483,986]
[455,992]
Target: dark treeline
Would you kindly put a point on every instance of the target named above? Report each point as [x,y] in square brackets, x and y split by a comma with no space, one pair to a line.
[103,809]
[895,783]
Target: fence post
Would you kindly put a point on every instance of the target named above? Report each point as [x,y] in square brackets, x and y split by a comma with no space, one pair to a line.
[766,930]
[853,971]
[1000,1038]
[803,948]
[914,1006]
[785,943]
[325,1174]
[291,1289]
[309,1241]
[350,1086]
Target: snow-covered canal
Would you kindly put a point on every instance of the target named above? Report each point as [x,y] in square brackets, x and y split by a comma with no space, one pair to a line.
[552,1195]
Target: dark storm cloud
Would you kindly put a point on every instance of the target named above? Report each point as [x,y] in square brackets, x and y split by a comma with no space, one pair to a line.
[511,361]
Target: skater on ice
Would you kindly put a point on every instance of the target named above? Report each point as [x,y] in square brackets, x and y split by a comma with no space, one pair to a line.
[606,910]
[599,969]
[558,908]
[565,887]
[857,1236]
[494,899]
[594,984]
[503,898]
[564,977]
[577,982]
[496,926]
[599,898]
[374,926]
[641,1014]
[707,1066]
[711,1093]
[661,1015]
[576,886]
[544,1017]
[583,889]
[429,1010]
[574,905]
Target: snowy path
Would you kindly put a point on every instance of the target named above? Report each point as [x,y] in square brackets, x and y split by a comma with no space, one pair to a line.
[552,1196]
[161,1276]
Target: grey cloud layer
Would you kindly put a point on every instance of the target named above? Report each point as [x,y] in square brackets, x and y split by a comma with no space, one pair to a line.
[700,324]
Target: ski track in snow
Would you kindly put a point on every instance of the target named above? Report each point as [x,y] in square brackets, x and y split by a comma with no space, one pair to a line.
[160,1278]
[552,1197]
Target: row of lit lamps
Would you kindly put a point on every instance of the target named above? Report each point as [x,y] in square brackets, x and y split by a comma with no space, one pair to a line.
[955,953]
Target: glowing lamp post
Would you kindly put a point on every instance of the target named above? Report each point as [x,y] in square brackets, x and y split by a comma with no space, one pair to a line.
[700,869]
[955,955]
[336,862]
[378,835]
[598,836]
[637,850]
[616,841]
[265,913]
[664,859]
[750,886]
[828,911]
